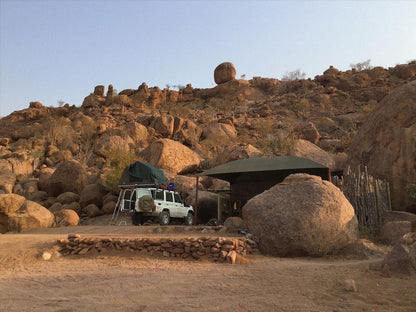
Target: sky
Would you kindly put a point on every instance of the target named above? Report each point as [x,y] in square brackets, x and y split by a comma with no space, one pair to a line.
[53,50]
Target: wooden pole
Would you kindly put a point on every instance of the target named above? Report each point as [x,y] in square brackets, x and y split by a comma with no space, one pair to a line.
[196,201]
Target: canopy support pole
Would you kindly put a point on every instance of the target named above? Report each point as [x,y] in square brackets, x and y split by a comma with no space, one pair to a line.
[196,201]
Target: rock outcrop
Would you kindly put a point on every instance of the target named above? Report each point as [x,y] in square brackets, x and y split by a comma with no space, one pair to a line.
[391,232]
[402,259]
[386,144]
[301,216]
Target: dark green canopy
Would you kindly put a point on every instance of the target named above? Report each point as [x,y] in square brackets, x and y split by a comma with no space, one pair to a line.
[141,172]
[250,167]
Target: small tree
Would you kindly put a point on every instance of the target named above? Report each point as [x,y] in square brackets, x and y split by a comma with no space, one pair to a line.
[293,75]
[361,66]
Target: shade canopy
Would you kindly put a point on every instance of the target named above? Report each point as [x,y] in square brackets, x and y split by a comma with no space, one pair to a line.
[249,168]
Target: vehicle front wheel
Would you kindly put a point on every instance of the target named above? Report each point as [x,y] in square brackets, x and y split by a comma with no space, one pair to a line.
[164,218]
[189,219]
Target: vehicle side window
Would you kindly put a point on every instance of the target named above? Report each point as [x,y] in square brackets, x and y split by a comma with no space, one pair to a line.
[178,198]
[159,195]
[127,194]
[169,197]
[133,196]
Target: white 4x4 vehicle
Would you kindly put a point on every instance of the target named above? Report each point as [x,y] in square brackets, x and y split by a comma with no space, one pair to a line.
[161,205]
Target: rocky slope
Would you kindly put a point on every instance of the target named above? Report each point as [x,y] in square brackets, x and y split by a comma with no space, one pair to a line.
[47,151]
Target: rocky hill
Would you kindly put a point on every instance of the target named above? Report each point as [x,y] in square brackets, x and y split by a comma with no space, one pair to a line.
[48,151]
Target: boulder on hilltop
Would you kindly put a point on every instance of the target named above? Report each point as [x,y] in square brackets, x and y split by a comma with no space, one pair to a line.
[303,215]
[224,72]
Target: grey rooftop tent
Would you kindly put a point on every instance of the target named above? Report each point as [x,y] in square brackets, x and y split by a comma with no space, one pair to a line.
[142,173]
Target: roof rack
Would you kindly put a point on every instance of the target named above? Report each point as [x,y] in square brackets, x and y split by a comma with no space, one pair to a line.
[142,185]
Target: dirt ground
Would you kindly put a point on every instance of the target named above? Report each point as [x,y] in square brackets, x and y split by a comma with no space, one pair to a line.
[126,281]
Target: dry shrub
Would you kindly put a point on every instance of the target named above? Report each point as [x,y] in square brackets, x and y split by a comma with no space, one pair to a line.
[301,107]
[178,109]
[220,105]
[272,139]
[85,138]
[279,143]
[369,107]
[58,132]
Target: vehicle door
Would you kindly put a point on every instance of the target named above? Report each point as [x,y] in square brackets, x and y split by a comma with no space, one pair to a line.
[126,204]
[179,206]
[160,200]
[171,204]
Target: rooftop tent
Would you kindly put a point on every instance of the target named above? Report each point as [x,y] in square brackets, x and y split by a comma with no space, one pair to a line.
[141,172]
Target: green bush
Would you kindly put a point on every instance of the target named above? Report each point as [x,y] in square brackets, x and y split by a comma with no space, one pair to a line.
[116,162]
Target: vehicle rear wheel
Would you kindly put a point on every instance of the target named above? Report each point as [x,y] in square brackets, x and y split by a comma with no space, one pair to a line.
[189,219]
[164,218]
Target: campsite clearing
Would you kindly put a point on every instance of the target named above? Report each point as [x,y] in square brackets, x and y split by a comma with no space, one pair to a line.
[126,281]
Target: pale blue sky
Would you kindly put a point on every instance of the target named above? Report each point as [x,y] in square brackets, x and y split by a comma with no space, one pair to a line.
[56,49]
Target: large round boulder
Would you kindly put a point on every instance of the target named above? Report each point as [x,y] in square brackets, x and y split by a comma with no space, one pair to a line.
[224,72]
[69,176]
[44,179]
[303,215]
[108,207]
[171,155]
[184,185]
[306,149]
[67,198]
[219,132]
[92,194]
[164,125]
[66,217]
[7,182]
[386,144]
[138,133]
[237,151]
[18,214]
[207,205]
[111,144]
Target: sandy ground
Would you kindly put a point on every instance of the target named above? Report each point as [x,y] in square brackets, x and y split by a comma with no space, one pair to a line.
[129,282]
